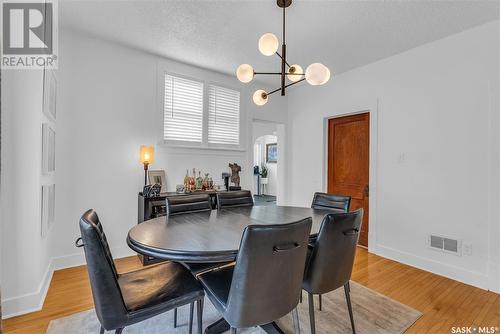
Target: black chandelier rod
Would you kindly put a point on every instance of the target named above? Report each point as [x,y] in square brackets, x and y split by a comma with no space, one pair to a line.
[286,86]
[283,57]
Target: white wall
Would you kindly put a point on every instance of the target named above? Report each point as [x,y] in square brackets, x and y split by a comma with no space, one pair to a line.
[25,256]
[109,107]
[438,106]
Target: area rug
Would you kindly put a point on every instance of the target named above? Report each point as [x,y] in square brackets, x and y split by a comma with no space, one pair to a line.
[373,314]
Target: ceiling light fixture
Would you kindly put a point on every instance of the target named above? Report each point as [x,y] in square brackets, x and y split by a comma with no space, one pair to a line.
[315,74]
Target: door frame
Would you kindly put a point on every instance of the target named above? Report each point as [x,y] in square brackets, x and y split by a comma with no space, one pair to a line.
[371,108]
[281,165]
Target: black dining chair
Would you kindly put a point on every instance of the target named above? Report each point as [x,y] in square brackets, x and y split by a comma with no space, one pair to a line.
[188,204]
[265,283]
[227,199]
[330,260]
[337,203]
[179,205]
[331,202]
[122,300]
[192,204]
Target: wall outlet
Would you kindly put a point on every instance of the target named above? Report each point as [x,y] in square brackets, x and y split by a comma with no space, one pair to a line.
[467,249]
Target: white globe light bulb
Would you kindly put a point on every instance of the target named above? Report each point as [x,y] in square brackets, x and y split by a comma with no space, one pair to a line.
[296,70]
[317,74]
[268,44]
[260,97]
[244,73]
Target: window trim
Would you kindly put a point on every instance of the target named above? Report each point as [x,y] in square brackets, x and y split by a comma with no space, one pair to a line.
[204,144]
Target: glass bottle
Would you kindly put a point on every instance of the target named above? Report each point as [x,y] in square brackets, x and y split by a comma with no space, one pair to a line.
[192,181]
[186,181]
[210,183]
[199,181]
[205,182]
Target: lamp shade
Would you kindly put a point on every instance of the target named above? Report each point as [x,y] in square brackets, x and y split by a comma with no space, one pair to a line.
[147,154]
[268,44]
[244,73]
[296,70]
[260,97]
[317,74]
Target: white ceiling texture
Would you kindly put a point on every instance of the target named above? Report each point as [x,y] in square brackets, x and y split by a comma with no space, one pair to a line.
[220,35]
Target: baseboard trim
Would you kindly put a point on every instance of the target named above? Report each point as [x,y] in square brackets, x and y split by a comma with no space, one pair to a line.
[33,302]
[494,277]
[476,279]
[29,302]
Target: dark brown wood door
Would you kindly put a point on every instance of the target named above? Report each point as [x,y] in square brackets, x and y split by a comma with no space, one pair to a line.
[348,162]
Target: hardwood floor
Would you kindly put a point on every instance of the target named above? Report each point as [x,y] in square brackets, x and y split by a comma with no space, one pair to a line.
[443,302]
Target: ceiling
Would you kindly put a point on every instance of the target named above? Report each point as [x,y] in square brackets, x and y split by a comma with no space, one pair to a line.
[220,35]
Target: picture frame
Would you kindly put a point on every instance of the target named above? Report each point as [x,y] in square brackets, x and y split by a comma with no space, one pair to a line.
[49,94]
[48,149]
[48,199]
[158,177]
[272,153]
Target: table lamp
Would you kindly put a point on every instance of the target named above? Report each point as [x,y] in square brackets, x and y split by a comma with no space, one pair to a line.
[146,157]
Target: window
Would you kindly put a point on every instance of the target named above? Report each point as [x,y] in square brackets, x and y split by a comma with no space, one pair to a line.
[183,110]
[223,116]
[198,117]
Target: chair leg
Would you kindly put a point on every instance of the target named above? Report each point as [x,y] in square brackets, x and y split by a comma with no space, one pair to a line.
[199,314]
[118,331]
[311,313]
[102,330]
[234,330]
[191,309]
[347,290]
[175,317]
[320,302]
[300,298]
[296,323]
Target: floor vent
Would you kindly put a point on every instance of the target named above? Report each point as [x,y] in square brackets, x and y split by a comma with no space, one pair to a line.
[444,244]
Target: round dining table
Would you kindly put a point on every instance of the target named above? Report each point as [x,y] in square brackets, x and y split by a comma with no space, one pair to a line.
[212,236]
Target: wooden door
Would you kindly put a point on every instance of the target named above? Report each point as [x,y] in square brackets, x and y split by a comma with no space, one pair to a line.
[348,163]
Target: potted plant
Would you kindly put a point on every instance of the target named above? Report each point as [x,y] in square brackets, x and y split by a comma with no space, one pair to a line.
[263,174]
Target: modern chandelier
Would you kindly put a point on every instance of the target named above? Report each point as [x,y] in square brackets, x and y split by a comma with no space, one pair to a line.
[316,73]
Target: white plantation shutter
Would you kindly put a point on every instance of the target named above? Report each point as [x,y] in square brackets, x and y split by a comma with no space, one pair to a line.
[183,109]
[223,116]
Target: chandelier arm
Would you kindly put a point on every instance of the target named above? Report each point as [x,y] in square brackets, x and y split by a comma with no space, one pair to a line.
[290,84]
[273,91]
[268,73]
[295,82]
[278,54]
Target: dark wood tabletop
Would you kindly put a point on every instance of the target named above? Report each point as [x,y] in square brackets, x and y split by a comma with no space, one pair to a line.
[210,236]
